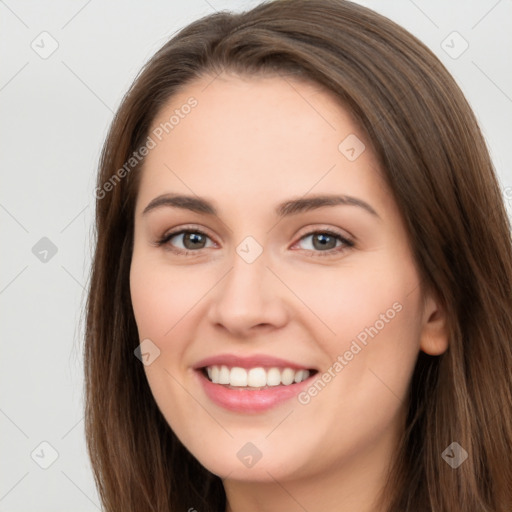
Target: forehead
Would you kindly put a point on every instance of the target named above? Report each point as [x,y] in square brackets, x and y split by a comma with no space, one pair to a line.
[256,136]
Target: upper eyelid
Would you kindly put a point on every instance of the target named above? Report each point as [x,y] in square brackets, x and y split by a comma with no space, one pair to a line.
[183,229]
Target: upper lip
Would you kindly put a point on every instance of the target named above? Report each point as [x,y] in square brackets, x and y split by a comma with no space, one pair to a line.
[255,361]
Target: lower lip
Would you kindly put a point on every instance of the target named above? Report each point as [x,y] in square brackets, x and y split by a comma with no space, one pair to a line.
[247,400]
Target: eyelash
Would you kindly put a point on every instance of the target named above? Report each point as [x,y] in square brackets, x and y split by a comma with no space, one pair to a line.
[347,244]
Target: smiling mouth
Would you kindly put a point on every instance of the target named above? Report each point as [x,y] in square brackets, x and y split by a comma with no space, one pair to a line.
[256,378]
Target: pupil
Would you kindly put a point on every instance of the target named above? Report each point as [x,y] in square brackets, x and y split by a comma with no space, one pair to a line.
[195,238]
[323,241]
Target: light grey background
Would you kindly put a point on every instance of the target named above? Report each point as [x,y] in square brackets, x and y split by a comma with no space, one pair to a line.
[55,113]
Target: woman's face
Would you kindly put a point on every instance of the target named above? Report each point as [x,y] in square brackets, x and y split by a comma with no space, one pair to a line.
[296,260]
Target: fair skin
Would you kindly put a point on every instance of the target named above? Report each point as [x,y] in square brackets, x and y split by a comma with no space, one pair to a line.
[247,146]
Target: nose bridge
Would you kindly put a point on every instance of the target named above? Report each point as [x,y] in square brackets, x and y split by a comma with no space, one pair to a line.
[246,284]
[248,295]
[247,278]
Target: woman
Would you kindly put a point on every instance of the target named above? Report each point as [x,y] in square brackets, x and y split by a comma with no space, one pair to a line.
[301,290]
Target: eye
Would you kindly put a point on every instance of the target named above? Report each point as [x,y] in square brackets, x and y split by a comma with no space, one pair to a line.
[325,242]
[191,240]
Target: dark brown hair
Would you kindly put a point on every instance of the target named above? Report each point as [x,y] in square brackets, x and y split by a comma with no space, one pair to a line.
[437,166]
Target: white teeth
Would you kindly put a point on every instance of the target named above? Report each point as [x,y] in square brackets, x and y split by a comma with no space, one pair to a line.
[288,376]
[224,375]
[255,377]
[273,377]
[301,375]
[215,374]
[238,377]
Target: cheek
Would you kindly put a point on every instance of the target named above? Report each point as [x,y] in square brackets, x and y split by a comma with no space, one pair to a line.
[348,300]
[373,313]
[162,300]
[381,340]
[160,297]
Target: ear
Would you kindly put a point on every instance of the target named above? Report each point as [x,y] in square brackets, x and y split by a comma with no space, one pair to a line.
[434,331]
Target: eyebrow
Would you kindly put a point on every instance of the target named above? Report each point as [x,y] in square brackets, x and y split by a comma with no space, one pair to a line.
[291,207]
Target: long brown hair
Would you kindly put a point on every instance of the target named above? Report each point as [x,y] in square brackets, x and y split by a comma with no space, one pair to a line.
[438,169]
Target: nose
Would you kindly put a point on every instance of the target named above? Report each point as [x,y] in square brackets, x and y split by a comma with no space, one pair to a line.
[249,299]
